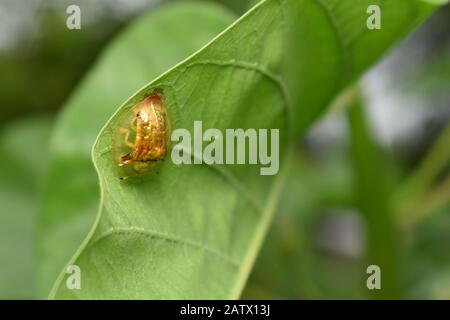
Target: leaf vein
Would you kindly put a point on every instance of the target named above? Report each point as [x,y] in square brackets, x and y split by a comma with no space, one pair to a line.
[253,66]
[167,237]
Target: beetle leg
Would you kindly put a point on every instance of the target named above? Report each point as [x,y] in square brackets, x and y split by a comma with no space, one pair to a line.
[127,159]
[133,125]
[127,137]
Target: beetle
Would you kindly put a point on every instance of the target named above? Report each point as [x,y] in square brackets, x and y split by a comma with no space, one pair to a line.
[142,136]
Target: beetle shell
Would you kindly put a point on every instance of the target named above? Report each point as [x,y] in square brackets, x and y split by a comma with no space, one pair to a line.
[142,136]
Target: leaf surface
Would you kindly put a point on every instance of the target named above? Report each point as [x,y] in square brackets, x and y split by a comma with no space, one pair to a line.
[193,231]
[148,47]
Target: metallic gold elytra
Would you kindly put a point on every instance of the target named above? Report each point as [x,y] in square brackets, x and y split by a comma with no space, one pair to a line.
[142,136]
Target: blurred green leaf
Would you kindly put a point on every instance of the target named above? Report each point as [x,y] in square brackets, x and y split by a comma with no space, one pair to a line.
[277,67]
[290,264]
[427,262]
[23,146]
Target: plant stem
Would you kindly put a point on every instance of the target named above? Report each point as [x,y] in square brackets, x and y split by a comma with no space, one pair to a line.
[373,200]
[424,176]
[428,204]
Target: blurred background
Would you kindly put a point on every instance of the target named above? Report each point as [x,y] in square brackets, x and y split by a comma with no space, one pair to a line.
[330,225]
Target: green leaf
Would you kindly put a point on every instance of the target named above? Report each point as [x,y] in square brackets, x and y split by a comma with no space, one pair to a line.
[290,264]
[148,47]
[194,231]
[23,146]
